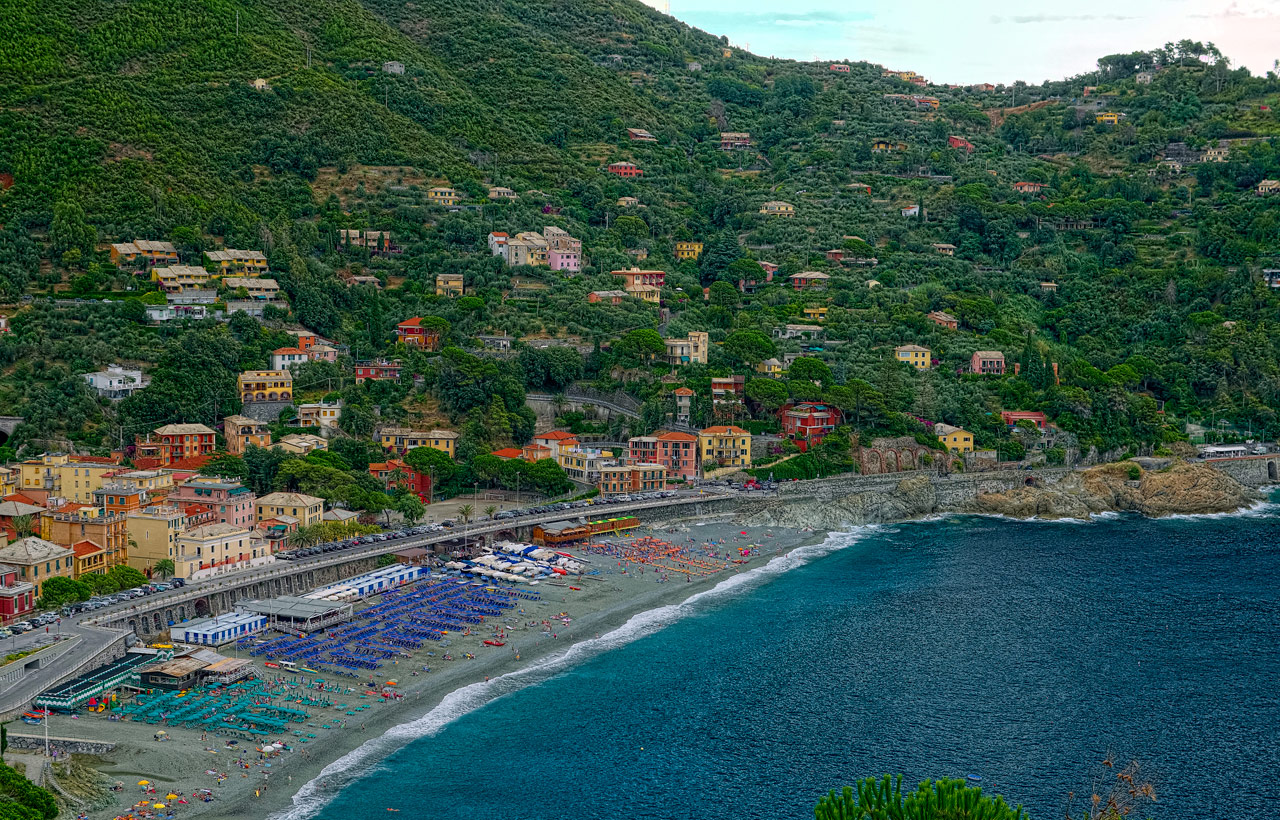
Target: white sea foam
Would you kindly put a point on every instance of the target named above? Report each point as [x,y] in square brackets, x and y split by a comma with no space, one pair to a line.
[342,772]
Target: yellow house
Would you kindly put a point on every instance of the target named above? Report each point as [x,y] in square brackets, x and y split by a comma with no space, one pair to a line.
[815,313]
[443,196]
[886,146]
[688,250]
[9,481]
[177,278]
[402,439]
[771,368]
[449,284]
[776,207]
[306,508]
[725,446]
[646,293]
[244,263]
[914,355]
[265,385]
[1108,118]
[64,476]
[954,439]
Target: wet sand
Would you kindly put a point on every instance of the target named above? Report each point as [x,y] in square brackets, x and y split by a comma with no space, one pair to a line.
[603,603]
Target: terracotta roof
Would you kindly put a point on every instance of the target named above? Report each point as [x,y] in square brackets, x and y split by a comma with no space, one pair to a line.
[683,391]
[86,548]
[147,463]
[508,453]
[416,321]
[555,435]
[536,447]
[21,499]
[672,435]
[96,459]
[725,429]
[289,351]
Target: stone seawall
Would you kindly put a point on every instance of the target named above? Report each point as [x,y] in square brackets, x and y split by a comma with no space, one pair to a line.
[61,744]
[1251,471]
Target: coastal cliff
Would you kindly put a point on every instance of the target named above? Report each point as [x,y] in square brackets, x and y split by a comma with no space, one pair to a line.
[1181,489]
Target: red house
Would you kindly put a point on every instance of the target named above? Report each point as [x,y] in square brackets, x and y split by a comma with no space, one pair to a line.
[1012,417]
[1028,187]
[396,473]
[624,169]
[411,332]
[990,362]
[840,67]
[806,423]
[173,442]
[960,142]
[378,371]
[17,597]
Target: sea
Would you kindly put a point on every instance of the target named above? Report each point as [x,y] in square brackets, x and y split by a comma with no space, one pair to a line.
[1028,654]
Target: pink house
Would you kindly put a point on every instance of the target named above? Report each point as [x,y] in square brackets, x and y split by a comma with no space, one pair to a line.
[678,452]
[564,260]
[232,502]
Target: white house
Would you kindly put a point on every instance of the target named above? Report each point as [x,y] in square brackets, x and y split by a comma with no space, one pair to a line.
[116,382]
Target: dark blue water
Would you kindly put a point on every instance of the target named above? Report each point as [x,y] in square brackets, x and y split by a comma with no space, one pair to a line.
[1023,652]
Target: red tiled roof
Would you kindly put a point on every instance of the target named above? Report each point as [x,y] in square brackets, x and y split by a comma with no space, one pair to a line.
[729,429]
[683,391]
[534,447]
[555,435]
[508,453]
[19,497]
[289,351]
[86,548]
[671,435]
[69,507]
[196,509]
[414,322]
[96,459]
[144,463]
[190,463]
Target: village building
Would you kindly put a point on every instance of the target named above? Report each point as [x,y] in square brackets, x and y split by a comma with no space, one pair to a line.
[231,501]
[688,250]
[640,135]
[145,251]
[378,370]
[956,440]
[265,385]
[301,443]
[216,549]
[499,192]
[918,357]
[404,439]
[244,263]
[177,278]
[625,170]
[449,285]
[692,349]
[154,533]
[734,140]
[307,509]
[944,320]
[414,333]
[776,207]
[242,432]
[631,478]
[37,560]
[117,382]
[809,280]
[725,446]
[258,290]
[989,362]
[442,195]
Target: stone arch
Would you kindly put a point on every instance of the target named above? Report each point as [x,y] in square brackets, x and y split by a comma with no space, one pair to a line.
[168,617]
[159,623]
[182,612]
[906,460]
[133,626]
[872,462]
[1271,470]
[510,535]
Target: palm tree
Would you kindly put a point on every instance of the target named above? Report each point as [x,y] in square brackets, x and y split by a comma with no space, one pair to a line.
[465,512]
[489,511]
[164,568]
[24,525]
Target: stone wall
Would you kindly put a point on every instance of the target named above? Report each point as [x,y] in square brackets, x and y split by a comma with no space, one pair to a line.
[1251,471]
[894,455]
[62,744]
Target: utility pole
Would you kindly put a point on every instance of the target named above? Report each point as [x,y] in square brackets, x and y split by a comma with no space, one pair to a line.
[237,24]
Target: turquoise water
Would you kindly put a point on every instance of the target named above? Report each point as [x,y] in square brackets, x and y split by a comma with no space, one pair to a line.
[1022,652]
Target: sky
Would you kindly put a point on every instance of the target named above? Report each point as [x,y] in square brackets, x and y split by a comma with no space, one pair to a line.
[996,41]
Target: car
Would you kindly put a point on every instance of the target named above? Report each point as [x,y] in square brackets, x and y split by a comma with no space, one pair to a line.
[4,633]
[178,583]
[21,626]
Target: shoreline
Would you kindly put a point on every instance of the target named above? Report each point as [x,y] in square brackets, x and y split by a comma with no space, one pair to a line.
[600,610]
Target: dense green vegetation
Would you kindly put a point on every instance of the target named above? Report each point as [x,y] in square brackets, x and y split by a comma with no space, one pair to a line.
[139,120]
[932,800]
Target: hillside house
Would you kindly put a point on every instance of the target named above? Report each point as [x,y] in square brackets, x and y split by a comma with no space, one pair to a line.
[888,147]
[413,333]
[117,382]
[809,280]
[961,143]
[1269,186]
[921,358]
[612,297]
[393,67]
[734,140]
[1013,417]
[911,211]
[943,319]
[1049,287]
[692,349]
[177,278]
[1108,118]
[378,371]
[241,263]
[179,441]
[944,248]
[688,250]
[645,293]
[259,290]
[727,394]
[989,362]
[809,332]
[1028,187]
[144,251]
[265,385]
[770,368]
[404,439]
[442,195]
[242,431]
[640,135]
[839,68]
[815,313]
[449,284]
[835,255]
[725,446]
[500,193]
[807,423]
[628,202]
[956,440]
[776,207]
[319,415]
[635,276]
[564,252]
[684,404]
[1218,153]
[625,170]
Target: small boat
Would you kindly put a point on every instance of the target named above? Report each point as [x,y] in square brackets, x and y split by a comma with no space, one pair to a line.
[271,664]
[495,643]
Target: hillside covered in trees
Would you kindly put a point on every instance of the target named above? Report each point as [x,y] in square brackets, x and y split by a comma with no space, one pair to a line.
[1109,234]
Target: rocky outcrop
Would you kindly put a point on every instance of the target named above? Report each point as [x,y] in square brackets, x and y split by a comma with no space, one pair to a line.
[1181,489]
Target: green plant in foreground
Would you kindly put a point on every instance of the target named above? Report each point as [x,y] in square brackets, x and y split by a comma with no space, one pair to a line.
[933,800]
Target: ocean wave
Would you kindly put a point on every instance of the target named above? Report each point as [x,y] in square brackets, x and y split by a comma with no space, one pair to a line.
[344,771]
[1265,508]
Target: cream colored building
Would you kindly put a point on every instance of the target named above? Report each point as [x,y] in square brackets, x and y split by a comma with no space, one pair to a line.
[301,443]
[321,415]
[306,508]
[153,535]
[217,549]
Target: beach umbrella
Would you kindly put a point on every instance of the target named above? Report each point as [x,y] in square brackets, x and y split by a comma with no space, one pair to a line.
[157,805]
[144,782]
[171,796]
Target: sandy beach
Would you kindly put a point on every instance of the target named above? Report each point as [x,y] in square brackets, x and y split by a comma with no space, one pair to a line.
[243,784]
